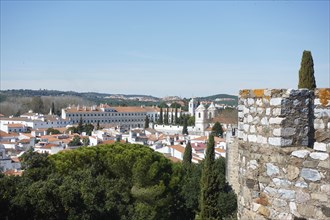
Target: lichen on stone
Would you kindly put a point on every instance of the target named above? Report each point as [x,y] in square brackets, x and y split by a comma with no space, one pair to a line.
[324,95]
[259,93]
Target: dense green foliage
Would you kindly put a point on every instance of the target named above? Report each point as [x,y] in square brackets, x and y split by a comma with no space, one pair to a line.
[187,156]
[53,131]
[185,127]
[118,181]
[88,128]
[217,200]
[146,122]
[306,72]
[217,129]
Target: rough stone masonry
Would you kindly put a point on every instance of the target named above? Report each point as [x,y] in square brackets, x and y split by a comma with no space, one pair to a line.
[283,146]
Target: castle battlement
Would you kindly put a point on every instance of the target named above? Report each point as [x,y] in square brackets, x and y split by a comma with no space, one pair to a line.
[279,164]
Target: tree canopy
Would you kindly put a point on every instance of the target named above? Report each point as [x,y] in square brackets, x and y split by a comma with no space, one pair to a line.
[306,72]
[117,181]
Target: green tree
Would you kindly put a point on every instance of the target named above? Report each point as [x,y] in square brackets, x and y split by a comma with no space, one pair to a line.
[185,127]
[37,105]
[306,72]
[98,125]
[53,108]
[217,130]
[85,141]
[209,192]
[160,121]
[75,141]
[172,117]
[166,117]
[176,116]
[187,156]
[53,131]
[191,120]
[146,122]
[80,127]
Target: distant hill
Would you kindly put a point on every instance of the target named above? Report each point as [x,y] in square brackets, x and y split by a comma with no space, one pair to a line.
[113,99]
[224,99]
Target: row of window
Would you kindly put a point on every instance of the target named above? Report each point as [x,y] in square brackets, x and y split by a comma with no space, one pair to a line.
[110,114]
[109,121]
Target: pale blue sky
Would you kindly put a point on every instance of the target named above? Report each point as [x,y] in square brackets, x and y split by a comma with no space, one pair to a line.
[185,48]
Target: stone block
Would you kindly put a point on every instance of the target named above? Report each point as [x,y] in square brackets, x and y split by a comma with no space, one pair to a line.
[252,138]
[281,182]
[246,127]
[252,164]
[267,111]
[275,101]
[293,208]
[302,197]
[277,132]
[259,102]
[279,203]
[240,108]
[320,197]
[249,118]
[275,141]
[310,174]
[324,164]
[246,110]
[276,121]
[319,156]
[286,194]
[255,206]
[271,169]
[317,102]
[256,120]
[310,164]
[262,210]
[276,112]
[250,101]
[252,129]
[264,121]
[300,153]
[270,191]
[260,110]
[296,103]
[325,189]
[301,184]
[286,132]
[293,172]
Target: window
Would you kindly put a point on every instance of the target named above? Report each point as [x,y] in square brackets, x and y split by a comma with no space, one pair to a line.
[199,115]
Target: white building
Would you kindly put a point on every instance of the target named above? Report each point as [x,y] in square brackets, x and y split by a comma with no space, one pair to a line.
[124,117]
[7,163]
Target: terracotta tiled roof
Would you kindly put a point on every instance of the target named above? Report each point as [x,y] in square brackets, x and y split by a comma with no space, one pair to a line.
[219,150]
[15,125]
[178,148]
[201,138]
[5,134]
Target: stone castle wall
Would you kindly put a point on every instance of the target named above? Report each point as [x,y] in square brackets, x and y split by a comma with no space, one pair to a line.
[283,148]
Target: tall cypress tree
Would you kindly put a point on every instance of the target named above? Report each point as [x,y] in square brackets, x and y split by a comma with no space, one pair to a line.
[176,115]
[166,117]
[187,156]
[209,188]
[306,72]
[172,116]
[146,122]
[185,126]
[160,121]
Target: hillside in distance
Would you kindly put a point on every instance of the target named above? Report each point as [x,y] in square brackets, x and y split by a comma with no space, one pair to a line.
[16,101]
